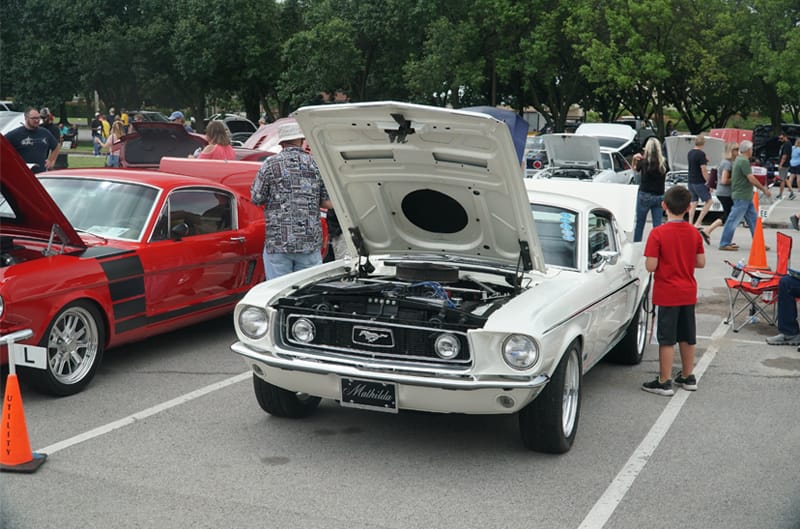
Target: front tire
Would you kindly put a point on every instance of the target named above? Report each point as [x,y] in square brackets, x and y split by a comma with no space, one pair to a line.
[630,350]
[282,402]
[550,422]
[75,340]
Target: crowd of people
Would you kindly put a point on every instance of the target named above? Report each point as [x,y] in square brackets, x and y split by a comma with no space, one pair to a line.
[289,188]
[675,249]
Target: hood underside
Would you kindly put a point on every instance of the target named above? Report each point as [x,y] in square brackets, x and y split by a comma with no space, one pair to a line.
[571,150]
[412,179]
[154,140]
[26,209]
[678,148]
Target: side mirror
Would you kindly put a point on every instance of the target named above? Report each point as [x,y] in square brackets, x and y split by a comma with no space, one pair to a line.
[179,231]
[609,258]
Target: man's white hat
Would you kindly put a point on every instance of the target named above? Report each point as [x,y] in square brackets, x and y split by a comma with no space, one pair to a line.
[289,131]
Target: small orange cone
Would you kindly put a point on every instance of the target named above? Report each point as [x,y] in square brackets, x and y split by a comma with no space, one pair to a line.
[758,252]
[15,452]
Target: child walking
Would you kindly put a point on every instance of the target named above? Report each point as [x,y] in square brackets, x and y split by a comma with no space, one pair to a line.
[672,253]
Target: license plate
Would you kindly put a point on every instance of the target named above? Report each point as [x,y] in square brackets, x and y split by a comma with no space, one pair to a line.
[369,395]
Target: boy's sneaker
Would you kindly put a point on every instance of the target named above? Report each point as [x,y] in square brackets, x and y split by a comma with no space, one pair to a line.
[688,383]
[794,222]
[659,388]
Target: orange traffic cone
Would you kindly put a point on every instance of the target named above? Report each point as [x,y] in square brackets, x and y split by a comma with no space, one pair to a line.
[758,252]
[15,452]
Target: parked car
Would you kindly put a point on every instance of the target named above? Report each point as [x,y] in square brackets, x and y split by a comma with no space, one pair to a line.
[766,145]
[10,106]
[150,141]
[535,155]
[95,258]
[645,129]
[577,157]
[678,148]
[11,120]
[239,128]
[149,115]
[471,290]
[614,136]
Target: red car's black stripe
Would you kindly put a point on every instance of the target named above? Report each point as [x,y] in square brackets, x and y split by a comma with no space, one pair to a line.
[125,275]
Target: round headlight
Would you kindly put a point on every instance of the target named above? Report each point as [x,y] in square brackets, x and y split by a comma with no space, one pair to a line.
[253,322]
[303,330]
[520,352]
[447,346]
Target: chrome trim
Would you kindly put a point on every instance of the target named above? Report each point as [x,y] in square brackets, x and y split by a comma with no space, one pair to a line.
[434,380]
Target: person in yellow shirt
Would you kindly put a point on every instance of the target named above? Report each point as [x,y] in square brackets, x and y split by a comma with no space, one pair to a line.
[125,120]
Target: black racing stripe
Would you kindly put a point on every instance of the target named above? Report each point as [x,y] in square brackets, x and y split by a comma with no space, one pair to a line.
[122,268]
[195,308]
[126,309]
[129,325]
[125,289]
[104,252]
[135,323]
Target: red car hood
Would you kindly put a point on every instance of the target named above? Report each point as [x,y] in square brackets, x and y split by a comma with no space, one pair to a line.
[27,210]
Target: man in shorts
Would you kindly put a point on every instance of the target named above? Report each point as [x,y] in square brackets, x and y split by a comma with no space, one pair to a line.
[784,154]
[698,179]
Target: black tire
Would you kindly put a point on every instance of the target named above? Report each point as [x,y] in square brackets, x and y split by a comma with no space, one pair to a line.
[75,341]
[630,350]
[550,422]
[282,402]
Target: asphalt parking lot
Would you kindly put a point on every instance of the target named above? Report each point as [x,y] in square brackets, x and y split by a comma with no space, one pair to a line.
[169,435]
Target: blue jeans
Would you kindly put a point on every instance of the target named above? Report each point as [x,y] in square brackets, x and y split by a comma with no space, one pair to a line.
[788,290]
[741,209]
[647,203]
[279,264]
[97,141]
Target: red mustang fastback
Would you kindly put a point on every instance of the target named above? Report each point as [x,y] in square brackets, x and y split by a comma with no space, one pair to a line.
[95,258]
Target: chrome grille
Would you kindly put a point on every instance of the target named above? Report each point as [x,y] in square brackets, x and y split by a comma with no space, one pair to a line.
[372,339]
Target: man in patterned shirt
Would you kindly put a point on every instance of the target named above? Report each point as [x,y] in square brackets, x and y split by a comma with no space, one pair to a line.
[289,187]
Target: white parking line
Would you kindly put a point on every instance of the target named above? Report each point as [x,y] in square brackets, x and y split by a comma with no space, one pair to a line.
[616,491]
[130,419]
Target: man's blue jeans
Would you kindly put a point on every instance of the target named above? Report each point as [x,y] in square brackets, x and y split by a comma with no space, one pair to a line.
[278,264]
[788,290]
[647,203]
[741,209]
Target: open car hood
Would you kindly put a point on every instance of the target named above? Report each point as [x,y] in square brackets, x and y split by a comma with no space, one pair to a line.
[571,150]
[678,148]
[614,136]
[411,179]
[26,209]
[152,140]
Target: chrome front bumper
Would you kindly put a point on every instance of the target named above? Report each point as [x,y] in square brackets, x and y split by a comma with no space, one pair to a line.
[436,392]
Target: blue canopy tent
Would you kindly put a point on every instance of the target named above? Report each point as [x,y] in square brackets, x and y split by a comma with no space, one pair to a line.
[516,125]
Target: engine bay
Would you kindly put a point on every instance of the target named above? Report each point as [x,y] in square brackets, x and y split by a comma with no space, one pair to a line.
[447,296]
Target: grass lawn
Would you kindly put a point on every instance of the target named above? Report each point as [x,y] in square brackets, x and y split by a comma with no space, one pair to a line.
[81,162]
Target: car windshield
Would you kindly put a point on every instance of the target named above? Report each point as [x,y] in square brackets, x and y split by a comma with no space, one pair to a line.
[116,210]
[611,142]
[556,228]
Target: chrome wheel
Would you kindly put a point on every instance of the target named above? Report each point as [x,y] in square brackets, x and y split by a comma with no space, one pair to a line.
[72,345]
[571,393]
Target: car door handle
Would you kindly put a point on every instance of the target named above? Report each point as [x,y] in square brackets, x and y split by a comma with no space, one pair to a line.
[238,239]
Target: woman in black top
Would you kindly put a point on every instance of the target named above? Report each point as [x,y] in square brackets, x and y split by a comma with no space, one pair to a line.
[653,172]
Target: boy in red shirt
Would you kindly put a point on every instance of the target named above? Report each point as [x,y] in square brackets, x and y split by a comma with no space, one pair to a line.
[672,252]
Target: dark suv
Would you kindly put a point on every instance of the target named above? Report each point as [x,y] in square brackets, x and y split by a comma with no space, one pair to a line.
[766,144]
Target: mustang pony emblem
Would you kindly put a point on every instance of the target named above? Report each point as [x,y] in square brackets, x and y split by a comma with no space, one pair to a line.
[375,337]
[370,336]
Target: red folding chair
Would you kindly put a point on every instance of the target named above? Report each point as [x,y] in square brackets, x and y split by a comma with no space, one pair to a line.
[756,291]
